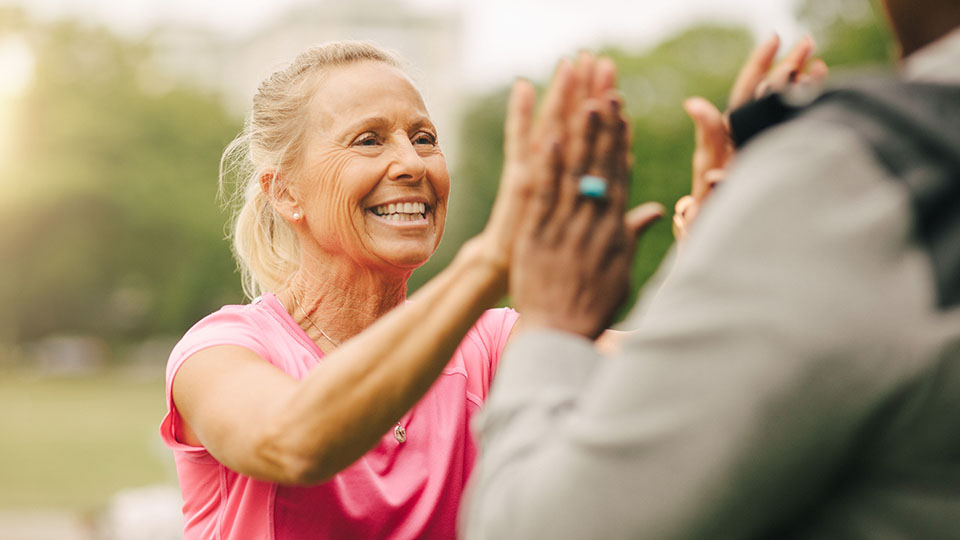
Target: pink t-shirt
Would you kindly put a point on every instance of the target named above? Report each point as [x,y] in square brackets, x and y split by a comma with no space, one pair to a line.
[408,490]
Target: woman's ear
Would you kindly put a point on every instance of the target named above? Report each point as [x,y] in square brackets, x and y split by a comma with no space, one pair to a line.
[280,195]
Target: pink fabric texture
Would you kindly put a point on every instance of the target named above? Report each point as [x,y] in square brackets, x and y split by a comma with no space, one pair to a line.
[395,491]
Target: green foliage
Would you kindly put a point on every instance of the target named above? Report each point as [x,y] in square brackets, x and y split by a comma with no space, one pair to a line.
[850,33]
[116,230]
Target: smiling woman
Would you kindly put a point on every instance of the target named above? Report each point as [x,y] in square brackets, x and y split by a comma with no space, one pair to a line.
[375,145]
[330,406]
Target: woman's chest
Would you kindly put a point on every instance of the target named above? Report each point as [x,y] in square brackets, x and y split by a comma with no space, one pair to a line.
[397,485]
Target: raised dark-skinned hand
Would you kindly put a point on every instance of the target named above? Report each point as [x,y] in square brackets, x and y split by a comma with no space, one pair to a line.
[572,254]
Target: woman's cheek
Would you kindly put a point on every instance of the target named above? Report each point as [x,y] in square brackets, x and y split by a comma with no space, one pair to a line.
[440,180]
[439,176]
[339,201]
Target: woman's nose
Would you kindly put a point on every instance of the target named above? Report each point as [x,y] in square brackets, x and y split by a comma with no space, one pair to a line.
[407,164]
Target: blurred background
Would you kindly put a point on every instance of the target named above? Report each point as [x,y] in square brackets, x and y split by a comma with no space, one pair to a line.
[112,120]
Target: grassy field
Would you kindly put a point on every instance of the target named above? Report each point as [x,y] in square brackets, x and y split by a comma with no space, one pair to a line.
[70,443]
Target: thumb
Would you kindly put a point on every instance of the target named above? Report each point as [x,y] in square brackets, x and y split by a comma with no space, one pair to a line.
[711,150]
[707,121]
[639,219]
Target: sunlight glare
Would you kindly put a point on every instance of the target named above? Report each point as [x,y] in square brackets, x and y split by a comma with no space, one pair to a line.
[16,75]
[16,67]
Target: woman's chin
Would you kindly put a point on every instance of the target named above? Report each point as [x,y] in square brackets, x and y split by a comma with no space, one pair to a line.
[406,260]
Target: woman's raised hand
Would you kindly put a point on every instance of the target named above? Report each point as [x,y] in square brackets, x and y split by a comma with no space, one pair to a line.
[713,151]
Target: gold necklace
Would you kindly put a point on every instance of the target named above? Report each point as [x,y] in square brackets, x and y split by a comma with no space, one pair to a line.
[399,433]
[313,324]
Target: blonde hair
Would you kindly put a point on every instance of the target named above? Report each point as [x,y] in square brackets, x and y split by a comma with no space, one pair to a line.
[264,244]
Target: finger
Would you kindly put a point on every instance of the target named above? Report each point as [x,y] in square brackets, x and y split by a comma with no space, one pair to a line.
[765,87]
[753,72]
[519,120]
[714,177]
[620,165]
[817,70]
[608,156]
[712,142]
[584,80]
[554,108]
[680,210]
[792,65]
[605,77]
[679,229]
[639,219]
[551,163]
[682,205]
[579,150]
[582,219]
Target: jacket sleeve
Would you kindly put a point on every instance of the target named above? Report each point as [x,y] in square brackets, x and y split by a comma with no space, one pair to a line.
[784,327]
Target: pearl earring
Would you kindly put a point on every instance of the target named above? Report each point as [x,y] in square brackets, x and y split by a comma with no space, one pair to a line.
[296,216]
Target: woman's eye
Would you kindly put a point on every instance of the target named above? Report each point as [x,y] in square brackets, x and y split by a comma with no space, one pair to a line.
[425,138]
[367,139]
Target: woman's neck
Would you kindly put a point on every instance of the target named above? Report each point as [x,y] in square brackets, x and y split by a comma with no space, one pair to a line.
[335,299]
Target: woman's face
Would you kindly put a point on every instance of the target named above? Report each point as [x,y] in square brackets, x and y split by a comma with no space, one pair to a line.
[372,182]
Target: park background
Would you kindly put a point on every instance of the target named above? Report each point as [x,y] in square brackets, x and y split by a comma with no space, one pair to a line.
[112,236]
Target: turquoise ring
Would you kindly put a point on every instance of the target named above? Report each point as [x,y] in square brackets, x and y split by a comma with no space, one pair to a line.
[593,187]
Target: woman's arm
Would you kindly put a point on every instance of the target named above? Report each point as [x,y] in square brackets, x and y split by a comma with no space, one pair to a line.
[261,422]
[258,421]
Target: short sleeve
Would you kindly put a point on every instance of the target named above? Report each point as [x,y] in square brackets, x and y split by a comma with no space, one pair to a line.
[493,329]
[232,325]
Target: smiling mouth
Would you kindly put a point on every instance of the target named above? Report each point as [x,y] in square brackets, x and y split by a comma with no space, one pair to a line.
[407,211]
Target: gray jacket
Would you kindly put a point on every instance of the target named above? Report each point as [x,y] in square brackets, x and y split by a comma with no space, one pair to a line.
[791,377]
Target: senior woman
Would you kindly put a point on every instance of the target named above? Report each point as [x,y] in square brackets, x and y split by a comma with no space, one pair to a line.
[331,406]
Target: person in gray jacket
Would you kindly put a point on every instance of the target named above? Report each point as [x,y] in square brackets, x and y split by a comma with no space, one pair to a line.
[798,374]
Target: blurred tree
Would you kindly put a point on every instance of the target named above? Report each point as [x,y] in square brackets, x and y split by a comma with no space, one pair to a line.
[849,33]
[115,229]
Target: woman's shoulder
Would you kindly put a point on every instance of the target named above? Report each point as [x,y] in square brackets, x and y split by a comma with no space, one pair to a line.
[478,355]
[492,329]
[233,317]
[244,325]
[497,318]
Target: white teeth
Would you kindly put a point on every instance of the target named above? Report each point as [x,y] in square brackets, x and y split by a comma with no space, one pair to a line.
[405,211]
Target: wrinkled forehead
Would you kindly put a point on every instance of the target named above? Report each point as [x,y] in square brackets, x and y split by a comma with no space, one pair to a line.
[361,89]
